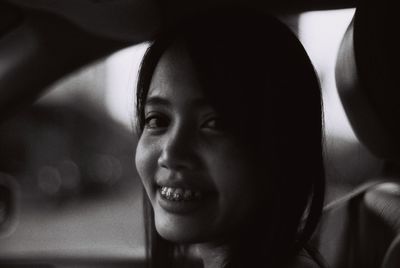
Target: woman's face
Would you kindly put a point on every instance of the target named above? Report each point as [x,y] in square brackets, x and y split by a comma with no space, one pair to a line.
[199,181]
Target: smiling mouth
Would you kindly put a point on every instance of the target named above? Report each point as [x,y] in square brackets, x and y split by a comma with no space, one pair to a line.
[179,194]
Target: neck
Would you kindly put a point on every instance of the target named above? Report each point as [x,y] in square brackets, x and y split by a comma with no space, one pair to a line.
[212,255]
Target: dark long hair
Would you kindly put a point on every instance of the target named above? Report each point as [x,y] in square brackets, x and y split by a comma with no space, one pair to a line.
[260,80]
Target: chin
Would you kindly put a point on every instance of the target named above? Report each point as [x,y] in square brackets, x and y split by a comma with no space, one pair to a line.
[179,236]
[181,230]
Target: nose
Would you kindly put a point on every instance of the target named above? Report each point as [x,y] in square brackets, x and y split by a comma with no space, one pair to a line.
[178,150]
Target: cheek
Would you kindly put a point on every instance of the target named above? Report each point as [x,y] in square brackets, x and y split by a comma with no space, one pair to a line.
[232,170]
[146,162]
[236,186]
[235,181]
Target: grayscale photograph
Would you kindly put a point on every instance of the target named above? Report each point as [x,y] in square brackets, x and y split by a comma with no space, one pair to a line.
[199,134]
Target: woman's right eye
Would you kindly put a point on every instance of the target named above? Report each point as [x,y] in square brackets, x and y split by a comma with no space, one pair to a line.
[156,121]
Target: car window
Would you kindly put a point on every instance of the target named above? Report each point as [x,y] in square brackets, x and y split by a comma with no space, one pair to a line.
[69,158]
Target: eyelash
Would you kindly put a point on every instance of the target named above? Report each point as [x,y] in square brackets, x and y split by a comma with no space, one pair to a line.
[156,121]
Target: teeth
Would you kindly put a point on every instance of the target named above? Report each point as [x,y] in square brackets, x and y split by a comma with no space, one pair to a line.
[179,194]
[163,190]
[169,193]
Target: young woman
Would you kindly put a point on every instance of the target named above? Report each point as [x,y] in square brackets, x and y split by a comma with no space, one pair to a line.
[230,154]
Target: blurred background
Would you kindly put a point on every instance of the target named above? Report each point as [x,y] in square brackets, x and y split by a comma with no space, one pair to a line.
[68,160]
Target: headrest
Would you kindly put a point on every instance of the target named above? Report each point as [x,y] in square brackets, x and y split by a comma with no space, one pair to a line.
[366,77]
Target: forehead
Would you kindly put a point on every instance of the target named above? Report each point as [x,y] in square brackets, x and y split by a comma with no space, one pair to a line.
[175,75]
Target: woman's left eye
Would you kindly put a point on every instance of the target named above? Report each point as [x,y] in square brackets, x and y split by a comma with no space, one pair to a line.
[213,124]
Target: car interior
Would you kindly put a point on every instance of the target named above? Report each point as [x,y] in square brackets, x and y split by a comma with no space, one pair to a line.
[69,192]
[362,228]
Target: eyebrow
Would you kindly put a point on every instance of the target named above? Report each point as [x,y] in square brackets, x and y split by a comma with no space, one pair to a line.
[156,100]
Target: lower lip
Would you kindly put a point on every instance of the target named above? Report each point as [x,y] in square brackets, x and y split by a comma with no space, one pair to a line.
[180,207]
